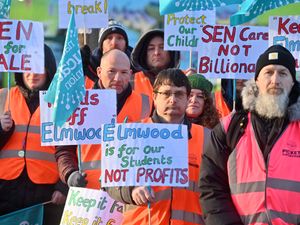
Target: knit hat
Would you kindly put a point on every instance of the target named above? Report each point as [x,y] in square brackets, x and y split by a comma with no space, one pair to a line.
[276,55]
[198,81]
[113,27]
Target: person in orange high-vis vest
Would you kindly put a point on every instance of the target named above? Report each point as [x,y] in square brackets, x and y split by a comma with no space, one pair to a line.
[249,172]
[114,73]
[149,58]
[168,205]
[29,173]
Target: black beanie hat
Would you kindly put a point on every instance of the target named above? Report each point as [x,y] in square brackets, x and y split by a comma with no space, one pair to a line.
[276,55]
[113,27]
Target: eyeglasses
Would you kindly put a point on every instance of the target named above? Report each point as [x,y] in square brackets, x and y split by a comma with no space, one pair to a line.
[177,94]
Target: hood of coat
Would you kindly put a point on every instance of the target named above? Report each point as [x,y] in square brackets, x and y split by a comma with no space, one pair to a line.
[250,93]
[139,53]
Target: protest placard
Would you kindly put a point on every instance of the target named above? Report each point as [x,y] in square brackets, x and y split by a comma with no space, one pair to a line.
[21,46]
[231,52]
[182,30]
[285,31]
[91,207]
[144,154]
[86,13]
[84,125]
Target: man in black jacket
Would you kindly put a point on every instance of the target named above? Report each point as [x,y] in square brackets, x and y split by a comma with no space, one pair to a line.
[249,171]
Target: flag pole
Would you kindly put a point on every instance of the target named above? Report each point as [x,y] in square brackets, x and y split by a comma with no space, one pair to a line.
[8,90]
[234,94]
[149,207]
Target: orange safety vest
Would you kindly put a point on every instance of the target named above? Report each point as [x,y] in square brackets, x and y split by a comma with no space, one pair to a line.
[88,83]
[266,193]
[24,146]
[221,104]
[174,205]
[136,107]
[141,84]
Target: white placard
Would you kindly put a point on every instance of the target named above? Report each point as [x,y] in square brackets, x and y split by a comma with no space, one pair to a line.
[84,125]
[231,52]
[88,13]
[144,154]
[21,46]
[182,30]
[285,31]
[91,207]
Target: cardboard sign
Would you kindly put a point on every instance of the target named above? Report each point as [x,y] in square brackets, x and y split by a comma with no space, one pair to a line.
[88,13]
[21,46]
[138,154]
[285,31]
[231,52]
[182,30]
[84,125]
[91,207]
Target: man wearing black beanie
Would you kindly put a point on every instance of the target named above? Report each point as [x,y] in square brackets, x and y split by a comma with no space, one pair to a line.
[249,172]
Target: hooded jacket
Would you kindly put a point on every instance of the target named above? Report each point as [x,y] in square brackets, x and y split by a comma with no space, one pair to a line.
[139,54]
[215,197]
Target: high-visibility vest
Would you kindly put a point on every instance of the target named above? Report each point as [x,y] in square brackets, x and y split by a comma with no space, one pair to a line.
[266,193]
[174,205]
[221,104]
[141,84]
[135,109]
[24,146]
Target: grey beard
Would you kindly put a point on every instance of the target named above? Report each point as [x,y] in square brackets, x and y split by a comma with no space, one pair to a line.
[271,106]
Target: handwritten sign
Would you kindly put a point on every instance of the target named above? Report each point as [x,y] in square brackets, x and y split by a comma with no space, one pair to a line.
[231,52]
[285,31]
[144,154]
[182,30]
[88,13]
[91,207]
[21,46]
[84,125]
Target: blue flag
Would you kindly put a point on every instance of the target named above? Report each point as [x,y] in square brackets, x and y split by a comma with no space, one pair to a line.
[4,9]
[173,6]
[67,90]
[31,215]
[253,8]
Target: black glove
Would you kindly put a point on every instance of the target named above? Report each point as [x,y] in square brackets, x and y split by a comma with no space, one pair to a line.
[77,179]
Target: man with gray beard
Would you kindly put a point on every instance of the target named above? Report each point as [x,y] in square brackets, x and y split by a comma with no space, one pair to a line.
[250,168]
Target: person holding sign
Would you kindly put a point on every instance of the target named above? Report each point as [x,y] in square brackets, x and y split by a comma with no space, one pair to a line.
[112,37]
[149,58]
[200,109]
[168,205]
[29,173]
[250,168]
[114,73]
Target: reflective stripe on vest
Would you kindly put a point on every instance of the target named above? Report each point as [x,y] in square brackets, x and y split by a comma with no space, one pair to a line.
[177,205]
[33,154]
[266,193]
[31,129]
[146,107]
[24,148]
